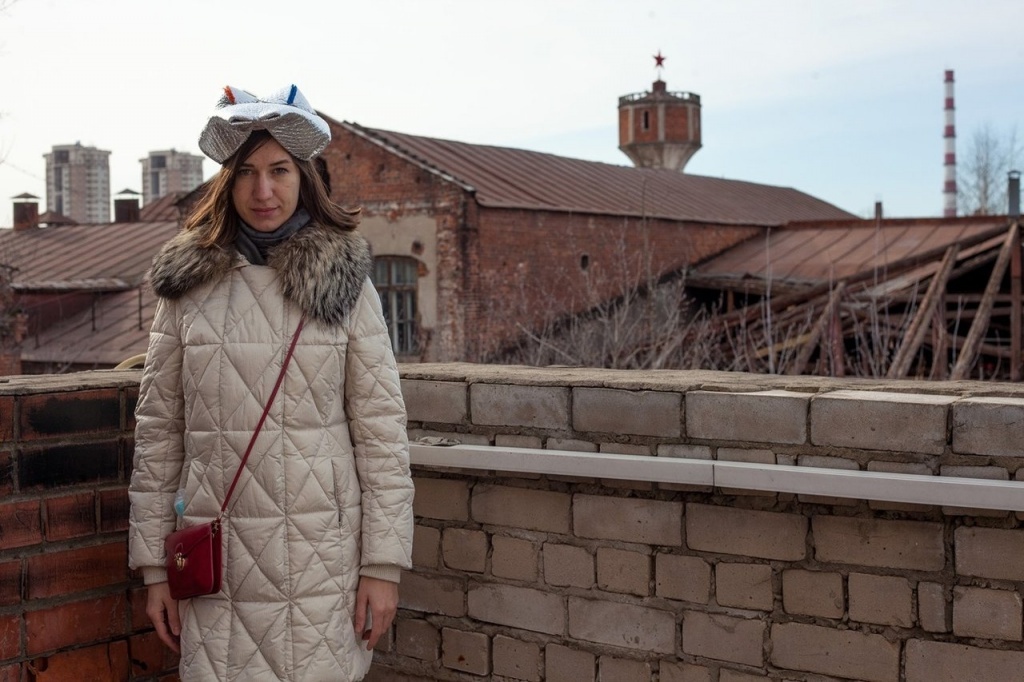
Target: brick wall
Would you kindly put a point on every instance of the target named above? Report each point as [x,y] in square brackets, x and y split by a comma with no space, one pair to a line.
[497,270]
[535,576]
[69,610]
[546,577]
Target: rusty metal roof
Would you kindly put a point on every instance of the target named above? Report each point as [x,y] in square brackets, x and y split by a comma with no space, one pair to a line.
[84,257]
[162,209]
[114,329]
[810,254]
[516,178]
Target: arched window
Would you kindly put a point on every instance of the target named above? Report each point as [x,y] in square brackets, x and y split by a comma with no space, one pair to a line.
[395,280]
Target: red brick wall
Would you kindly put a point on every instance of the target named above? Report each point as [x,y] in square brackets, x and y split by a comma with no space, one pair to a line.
[677,123]
[383,184]
[531,263]
[69,607]
[502,268]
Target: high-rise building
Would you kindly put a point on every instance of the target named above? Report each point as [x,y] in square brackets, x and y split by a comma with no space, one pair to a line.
[170,171]
[78,183]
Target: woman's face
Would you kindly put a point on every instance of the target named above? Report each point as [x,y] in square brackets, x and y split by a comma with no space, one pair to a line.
[266,189]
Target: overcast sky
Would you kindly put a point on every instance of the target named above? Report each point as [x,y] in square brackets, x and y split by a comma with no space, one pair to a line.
[842,100]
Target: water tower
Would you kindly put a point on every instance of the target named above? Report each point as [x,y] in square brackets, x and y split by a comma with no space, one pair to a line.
[659,129]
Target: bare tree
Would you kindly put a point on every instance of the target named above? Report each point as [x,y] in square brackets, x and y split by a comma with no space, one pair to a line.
[981,182]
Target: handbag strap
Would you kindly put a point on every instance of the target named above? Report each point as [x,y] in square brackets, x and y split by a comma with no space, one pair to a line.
[263,418]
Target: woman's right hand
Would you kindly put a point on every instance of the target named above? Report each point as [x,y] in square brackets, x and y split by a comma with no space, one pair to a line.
[162,609]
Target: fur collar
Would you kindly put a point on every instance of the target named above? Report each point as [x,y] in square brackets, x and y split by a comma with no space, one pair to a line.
[322,269]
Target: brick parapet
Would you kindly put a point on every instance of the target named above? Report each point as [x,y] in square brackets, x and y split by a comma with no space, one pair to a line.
[543,577]
[67,448]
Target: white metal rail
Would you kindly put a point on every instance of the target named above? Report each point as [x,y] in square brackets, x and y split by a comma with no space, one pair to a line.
[973,493]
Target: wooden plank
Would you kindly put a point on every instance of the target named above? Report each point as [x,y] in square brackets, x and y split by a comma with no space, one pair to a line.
[813,339]
[915,335]
[969,353]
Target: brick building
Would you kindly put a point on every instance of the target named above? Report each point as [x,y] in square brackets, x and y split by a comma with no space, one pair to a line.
[476,244]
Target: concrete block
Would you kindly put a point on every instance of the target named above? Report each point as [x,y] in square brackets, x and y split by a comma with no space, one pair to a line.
[514,558]
[511,440]
[568,566]
[623,670]
[521,508]
[562,664]
[948,662]
[433,594]
[571,444]
[464,550]
[417,639]
[910,545]
[685,578]
[877,420]
[841,653]
[673,671]
[640,413]
[623,625]
[536,407]
[628,519]
[441,498]
[724,638]
[989,552]
[744,586]
[813,593]
[932,608]
[468,652]
[988,614]
[436,401]
[881,599]
[744,532]
[426,547]
[516,659]
[623,571]
[761,416]
[518,607]
[989,426]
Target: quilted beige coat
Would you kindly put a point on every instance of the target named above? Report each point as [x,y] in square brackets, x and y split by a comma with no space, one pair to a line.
[326,495]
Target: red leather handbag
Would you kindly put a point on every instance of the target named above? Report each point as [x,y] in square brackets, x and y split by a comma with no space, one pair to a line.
[195,558]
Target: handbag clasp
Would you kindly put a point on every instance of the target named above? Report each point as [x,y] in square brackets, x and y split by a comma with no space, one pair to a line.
[179,561]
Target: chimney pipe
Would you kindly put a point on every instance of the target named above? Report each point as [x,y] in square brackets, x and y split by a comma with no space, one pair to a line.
[126,206]
[26,211]
[1013,193]
[949,188]
[126,210]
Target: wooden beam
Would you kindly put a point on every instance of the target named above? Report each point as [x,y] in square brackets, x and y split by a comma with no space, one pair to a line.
[813,339]
[969,353]
[915,335]
[753,311]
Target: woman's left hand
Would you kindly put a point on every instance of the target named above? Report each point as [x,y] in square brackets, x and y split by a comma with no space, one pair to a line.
[379,598]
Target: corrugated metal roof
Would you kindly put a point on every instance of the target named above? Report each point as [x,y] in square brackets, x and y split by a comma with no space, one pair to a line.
[814,255]
[516,178]
[163,209]
[93,256]
[112,331]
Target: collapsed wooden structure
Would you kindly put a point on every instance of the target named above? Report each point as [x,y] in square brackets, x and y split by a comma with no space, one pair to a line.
[937,299]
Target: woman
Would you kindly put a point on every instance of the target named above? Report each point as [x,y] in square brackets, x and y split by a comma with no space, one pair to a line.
[320,524]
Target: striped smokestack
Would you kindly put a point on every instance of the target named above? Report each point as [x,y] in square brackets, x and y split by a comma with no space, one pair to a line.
[949,187]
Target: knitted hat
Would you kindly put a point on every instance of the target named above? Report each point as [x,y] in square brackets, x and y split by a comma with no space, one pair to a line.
[286,115]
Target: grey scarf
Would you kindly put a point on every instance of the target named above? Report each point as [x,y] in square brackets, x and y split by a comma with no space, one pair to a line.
[255,245]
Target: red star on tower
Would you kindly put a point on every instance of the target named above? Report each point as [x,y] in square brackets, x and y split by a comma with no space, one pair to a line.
[659,60]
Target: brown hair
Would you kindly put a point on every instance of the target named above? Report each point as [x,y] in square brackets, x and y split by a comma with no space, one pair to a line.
[216,215]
